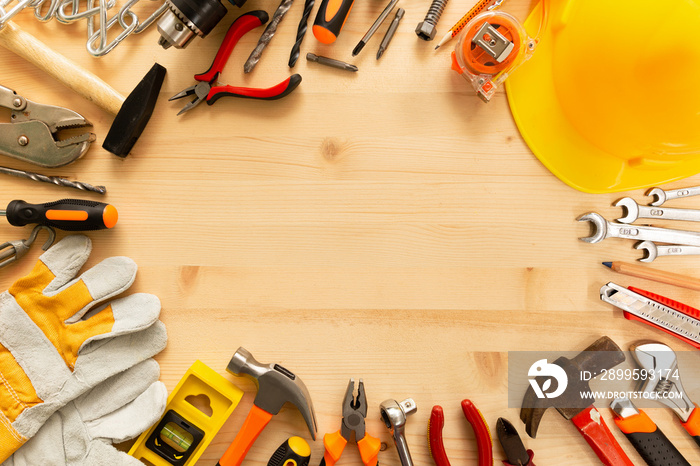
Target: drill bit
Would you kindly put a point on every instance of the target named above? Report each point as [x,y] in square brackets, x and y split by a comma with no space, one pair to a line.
[267,35]
[390,32]
[301,32]
[378,22]
[341,65]
[53,179]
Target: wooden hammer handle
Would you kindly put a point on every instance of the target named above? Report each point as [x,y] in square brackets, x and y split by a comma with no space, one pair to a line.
[80,80]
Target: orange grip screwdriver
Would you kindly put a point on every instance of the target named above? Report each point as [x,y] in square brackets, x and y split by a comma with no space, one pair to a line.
[66,214]
[330,19]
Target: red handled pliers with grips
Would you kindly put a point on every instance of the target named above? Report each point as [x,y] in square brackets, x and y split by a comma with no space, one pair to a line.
[206,90]
[481,431]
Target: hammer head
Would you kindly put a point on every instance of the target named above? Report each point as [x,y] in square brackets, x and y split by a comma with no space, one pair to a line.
[601,355]
[276,386]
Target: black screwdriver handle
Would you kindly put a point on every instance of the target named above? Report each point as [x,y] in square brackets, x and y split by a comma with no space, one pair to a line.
[66,214]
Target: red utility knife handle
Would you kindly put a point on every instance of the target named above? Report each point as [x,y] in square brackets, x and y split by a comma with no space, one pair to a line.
[675,305]
[530,453]
[481,430]
[271,93]
[240,27]
[593,428]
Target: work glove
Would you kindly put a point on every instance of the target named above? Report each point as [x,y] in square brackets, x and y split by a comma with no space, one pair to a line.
[56,344]
[82,432]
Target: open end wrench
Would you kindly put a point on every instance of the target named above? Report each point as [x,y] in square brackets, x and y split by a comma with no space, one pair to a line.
[661,196]
[632,211]
[602,229]
[653,250]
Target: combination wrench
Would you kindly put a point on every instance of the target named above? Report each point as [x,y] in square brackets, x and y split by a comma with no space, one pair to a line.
[653,250]
[661,196]
[603,229]
[632,211]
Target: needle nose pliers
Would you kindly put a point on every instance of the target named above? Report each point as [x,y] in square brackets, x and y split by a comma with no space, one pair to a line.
[205,88]
[354,414]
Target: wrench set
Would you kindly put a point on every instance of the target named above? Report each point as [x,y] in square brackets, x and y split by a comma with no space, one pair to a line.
[673,242]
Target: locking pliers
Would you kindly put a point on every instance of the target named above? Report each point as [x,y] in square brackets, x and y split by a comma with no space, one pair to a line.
[32,133]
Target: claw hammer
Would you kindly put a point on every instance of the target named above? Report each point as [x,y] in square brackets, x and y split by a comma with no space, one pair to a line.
[276,386]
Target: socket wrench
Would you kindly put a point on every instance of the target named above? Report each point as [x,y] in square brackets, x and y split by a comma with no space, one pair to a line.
[633,211]
[653,250]
[394,415]
[603,229]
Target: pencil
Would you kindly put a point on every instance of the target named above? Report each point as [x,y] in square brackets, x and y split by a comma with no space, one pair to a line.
[661,276]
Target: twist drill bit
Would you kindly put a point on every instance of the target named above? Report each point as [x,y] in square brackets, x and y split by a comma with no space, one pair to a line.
[301,32]
[53,179]
[267,35]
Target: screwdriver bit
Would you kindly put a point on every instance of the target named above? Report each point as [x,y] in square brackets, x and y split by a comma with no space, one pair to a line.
[341,65]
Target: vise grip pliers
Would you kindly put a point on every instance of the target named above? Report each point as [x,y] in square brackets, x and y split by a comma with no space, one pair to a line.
[32,133]
[205,88]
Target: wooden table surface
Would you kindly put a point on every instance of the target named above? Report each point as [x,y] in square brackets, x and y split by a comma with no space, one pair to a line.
[384,225]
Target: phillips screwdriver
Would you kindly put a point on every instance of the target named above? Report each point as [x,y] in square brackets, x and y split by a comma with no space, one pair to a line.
[66,214]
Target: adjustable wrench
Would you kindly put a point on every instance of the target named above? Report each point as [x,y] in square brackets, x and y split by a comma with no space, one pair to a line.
[653,250]
[664,383]
[662,196]
[604,229]
[633,211]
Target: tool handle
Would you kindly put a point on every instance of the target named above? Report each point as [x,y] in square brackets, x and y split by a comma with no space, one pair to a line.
[530,453]
[330,19]
[692,425]
[271,93]
[436,446]
[651,444]
[593,428]
[60,68]
[369,449]
[240,27]
[256,421]
[334,444]
[66,214]
[481,429]
[294,451]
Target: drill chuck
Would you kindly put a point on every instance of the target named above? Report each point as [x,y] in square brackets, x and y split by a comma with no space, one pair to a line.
[185,19]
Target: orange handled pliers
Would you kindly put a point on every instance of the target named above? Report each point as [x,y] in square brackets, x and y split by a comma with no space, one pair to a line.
[354,414]
[481,430]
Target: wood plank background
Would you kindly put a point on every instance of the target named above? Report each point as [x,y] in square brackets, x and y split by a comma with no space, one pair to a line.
[384,225]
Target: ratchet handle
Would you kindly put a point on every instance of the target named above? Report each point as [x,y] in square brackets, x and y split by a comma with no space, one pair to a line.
[278,91]
[240,27]
[651,444]
[330,19]
[692,425]
[593,428]
[66,214]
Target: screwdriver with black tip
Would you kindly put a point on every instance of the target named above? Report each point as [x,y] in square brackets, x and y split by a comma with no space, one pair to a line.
[66,214]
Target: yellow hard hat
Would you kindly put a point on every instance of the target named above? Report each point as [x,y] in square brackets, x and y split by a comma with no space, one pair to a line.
[610,101]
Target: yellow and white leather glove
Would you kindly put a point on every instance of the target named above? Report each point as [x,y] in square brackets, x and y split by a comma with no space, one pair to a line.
[82,432]
[56,343]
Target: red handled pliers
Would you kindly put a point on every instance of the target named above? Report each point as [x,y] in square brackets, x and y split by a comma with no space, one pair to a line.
[206,90]
[481,431]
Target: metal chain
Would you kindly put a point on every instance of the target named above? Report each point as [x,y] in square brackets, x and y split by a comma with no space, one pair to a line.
[69,11]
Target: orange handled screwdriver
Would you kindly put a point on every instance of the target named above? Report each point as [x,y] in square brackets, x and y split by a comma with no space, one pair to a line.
[66,214]
[330,19]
